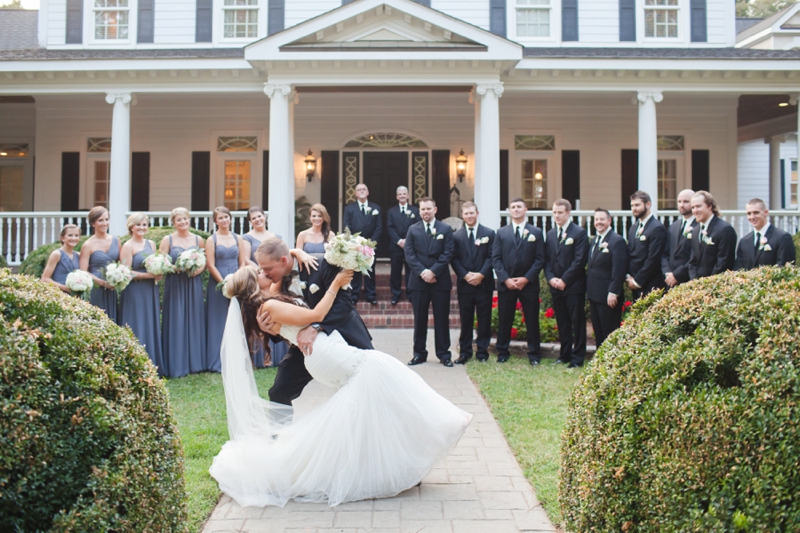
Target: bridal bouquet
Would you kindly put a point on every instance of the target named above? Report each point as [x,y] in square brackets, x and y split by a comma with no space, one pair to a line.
[191,261]
[118,276]
[80,282]
[351,252]
[159,264]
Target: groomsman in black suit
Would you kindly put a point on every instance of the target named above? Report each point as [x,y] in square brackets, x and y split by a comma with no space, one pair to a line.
[364,217]
[429,249]
[647,239]
[605,276]
[400,218]
[675,259]
[713,240]
[472,263]
[565,269]
[766,244]
[518,257]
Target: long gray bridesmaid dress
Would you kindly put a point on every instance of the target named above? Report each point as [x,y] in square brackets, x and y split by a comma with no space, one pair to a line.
[226,259]
[277,349]
[183,328]
[65,265]
[105,299]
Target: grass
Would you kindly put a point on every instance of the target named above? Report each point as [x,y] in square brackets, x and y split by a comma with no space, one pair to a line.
[198,403]
[530,404]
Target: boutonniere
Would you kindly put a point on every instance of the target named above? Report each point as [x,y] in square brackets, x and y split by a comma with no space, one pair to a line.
[531,238]
[765,247]
[313,288]
[687,231]
[439,237]
[433,231]
[643,238]
[525,232]
[477,242]
[303,285]
[376,212]
[604,245]
[569,241]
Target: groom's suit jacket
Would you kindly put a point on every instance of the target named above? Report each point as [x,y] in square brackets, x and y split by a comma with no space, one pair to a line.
[781,251]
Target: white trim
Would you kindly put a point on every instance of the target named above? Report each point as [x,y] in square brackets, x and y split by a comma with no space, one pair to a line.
[684,26]
[41,23]
[349,137]
[555,25]
[89,28]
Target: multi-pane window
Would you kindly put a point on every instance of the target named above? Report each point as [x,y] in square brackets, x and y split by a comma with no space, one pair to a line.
[102,179]
[533,18]
[793,182]
[241,19]
[237,184]
[661,18]
[667,184]
[534,183]
[111,19]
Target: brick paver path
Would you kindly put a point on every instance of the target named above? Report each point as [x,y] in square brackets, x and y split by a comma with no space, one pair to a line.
[479,488]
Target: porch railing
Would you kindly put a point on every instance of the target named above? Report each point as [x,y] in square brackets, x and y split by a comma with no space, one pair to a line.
[23,232]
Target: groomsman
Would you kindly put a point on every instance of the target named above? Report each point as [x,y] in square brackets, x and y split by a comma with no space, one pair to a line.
[565,269]
[766,244]
[400,218]
[429,249]
[605,276]
[675,259]
[364,217]
[518,256]
[647,239]
[713,240]
[472,263]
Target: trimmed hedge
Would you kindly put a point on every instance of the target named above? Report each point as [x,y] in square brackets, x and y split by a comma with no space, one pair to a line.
[3,263]
[796,239]
[87,439]
[688,419]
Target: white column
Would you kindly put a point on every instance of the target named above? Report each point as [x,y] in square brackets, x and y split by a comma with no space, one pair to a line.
[774,171]
[648,144]
[119,194]
[476,155]
[795,100]
[281,173]
[487,168]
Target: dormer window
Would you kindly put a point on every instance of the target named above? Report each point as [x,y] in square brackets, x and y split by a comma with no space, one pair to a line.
[533,18]
[240,19]
[111,19]
[661,18]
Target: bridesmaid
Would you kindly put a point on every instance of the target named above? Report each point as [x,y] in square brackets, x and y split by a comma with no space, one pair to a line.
[98,251]
[258,234]
[138,307]
[183,335]
[225,254]
[313,240]
[64,260]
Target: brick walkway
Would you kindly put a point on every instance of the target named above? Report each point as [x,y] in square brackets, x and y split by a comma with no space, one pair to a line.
[479,488]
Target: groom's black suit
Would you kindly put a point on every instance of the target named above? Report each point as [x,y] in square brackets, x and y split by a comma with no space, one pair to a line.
[292,376]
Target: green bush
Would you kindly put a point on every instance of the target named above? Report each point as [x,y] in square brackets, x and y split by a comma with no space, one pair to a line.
[688,419]
[87,438]
[796,239]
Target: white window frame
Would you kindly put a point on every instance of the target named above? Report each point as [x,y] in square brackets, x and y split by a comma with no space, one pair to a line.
[89,24]
[217,185]
[26,162]
[219,22]
[86,193]
[555,22]
[684,30]
[553,158]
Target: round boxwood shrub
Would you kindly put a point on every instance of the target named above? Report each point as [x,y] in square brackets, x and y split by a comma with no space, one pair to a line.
[688,419]
[87,439]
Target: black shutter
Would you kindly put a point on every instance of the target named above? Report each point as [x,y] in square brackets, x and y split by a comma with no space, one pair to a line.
[571,176]
[504,199]
[145,29]
[204,17]
[140,181]
[265,180]
[698,23]
[627,20]
[201,180]
[783,184]
[275,16]
[630,176]
[70,181]
[700,170]
[329,188]
[440,182]
[569,20]
[497,17]
[74,22]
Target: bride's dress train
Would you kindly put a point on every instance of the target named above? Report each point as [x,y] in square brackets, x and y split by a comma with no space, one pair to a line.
[380,433]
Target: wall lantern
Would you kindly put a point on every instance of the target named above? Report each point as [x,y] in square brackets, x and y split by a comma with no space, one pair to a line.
[311,165]
[538,176]
[461,166]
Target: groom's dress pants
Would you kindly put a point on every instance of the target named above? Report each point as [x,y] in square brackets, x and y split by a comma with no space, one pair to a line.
[291,379]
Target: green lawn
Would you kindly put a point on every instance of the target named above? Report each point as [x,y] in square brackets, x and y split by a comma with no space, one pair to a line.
[530,404]
[198,403]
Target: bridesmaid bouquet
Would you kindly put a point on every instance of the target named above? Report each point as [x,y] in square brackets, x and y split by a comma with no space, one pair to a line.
[191,261]
[159,264]
[80,282]
[118,276]
[351,252]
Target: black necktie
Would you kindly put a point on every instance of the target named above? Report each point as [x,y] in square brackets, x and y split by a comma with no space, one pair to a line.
[471,235]
[596,244]
[516,232]
[560,234]
[403,209]
[683,227]
[758,238]
[363,211]
[428,229]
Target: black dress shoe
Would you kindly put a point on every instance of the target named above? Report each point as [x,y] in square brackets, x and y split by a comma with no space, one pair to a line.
[394,301]
[561,362]
[462,360]
[373,302]
[502,358]
[534,362]
[416,361]
[574,365]
[482,359]
[448,363]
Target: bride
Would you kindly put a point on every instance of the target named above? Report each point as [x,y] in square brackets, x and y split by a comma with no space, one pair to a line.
[380,433]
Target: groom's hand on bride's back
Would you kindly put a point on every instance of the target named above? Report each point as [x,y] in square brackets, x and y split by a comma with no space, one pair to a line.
[306,338]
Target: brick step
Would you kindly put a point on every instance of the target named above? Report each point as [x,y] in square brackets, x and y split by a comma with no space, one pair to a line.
[403,307]
[401,321]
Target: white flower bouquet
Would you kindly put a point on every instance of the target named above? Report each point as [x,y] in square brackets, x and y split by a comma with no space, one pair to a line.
[118,276]
[351,252]
[80,282]
[159,264]
[191,261]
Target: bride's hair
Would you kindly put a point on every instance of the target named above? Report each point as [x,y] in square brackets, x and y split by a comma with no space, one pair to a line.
[243,285]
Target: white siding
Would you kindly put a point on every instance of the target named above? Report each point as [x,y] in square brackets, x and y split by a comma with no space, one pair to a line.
[475,12]
[297,11]
[598,21]
[56,21]
[753,159]
[175,22]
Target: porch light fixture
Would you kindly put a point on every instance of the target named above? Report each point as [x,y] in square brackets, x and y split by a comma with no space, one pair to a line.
[461,166]
[311,165]
[783,104]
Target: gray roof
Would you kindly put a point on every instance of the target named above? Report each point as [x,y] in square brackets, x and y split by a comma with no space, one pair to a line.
[18,29]
[181,53]
[744,23]
[660,53]
[764,24]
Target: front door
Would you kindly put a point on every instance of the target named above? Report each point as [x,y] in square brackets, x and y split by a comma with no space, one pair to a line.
[383,173]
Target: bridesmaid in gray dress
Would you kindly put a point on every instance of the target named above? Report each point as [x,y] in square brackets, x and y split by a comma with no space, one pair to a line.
[64,260]
[183,328]
[138,306]
[225,253]
[313,239]
[97,252]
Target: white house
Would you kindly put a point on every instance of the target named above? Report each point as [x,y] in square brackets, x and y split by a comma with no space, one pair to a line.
[151,104]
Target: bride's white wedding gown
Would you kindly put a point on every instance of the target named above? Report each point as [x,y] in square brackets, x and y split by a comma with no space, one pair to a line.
[380,433]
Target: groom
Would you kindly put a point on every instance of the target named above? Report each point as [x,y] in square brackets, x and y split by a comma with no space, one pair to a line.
[279,266]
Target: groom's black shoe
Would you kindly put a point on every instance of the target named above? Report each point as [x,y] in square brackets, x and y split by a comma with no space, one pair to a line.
[462,360]
[416,360]
[448,363]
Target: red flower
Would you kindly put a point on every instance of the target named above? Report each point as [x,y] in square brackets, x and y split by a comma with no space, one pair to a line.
[494,299]
[514,333]
[519,306]
[628,304]
[549,313]
[523,319]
